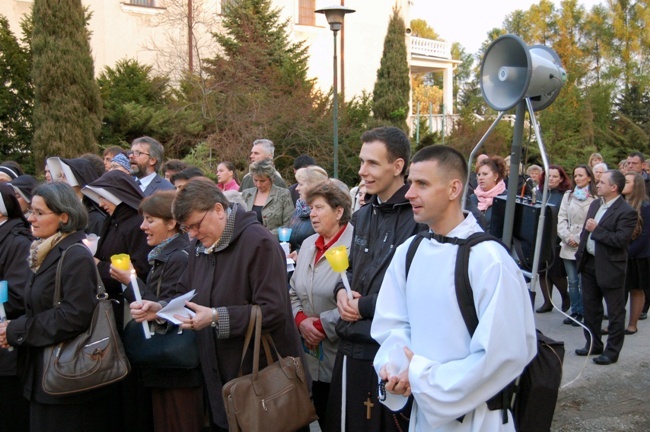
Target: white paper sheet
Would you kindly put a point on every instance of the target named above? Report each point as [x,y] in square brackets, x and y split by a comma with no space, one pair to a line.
[177,307]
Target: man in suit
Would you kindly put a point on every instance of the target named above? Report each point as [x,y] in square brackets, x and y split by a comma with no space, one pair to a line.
[146,157]
[602,261]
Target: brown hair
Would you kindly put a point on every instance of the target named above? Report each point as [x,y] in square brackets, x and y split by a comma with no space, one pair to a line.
[199,194]
[159,205]
[636,199]
[496,164]
[334,196]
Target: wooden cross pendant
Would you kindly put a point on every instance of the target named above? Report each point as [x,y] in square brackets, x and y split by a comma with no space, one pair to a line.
[368,403]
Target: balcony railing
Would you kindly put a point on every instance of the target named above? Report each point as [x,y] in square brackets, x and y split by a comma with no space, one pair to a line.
[430,48]
[146,3]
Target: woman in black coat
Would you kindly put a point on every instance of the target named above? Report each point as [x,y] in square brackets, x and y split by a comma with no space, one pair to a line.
[119,195]
[58,220]
[177,394]
[15,239]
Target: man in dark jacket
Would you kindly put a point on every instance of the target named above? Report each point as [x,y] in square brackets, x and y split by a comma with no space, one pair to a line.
[379,227]
[146,157]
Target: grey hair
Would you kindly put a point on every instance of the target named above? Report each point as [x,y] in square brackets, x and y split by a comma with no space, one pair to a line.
[602,165]
[156,150]
[61,198]
[266,144]
[262,168]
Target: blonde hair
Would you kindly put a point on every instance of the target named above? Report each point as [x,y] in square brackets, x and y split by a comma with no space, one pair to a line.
[311,175]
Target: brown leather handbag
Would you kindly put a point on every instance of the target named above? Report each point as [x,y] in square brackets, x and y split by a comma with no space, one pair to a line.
[275,399]
[94,358]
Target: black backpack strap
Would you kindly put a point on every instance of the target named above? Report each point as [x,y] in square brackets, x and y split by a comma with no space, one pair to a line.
[464,293]
[413,248]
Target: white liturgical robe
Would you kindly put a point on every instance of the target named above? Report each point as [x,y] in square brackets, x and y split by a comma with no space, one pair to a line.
[451,374]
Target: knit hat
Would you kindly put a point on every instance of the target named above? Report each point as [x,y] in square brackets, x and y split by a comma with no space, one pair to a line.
[123,161]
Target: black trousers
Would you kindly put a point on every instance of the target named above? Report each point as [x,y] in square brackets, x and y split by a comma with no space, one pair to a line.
[592,299]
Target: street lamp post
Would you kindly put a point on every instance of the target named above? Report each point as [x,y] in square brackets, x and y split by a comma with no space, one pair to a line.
[334,15]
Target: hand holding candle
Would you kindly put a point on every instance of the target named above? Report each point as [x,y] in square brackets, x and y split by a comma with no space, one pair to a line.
[338,259]
[138,299]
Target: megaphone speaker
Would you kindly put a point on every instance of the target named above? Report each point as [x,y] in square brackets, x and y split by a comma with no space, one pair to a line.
[511,71]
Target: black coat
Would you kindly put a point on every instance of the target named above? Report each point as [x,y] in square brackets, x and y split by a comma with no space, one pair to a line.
[378,230]
[122,234]
[167,269]
[15,239]
[612,237]
[43,324]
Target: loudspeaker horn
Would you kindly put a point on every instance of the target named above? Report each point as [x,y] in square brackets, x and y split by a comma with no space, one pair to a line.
[511,71]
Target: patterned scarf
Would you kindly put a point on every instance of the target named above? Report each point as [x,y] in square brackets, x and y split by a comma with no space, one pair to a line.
[226,235]
[581,194]
[302,209]
[158,249]
[41,247]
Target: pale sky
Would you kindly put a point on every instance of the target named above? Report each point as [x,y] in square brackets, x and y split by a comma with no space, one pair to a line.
[468,21]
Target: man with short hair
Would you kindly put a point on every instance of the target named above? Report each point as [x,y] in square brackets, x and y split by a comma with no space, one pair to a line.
[109,154]
[426,348]
[262,149]
[384,223]
[171,167]
[602,263]
[146,157]
[636,163]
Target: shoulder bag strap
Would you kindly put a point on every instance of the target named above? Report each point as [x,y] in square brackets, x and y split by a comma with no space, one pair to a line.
[410,253]
[249,333]
[57,283]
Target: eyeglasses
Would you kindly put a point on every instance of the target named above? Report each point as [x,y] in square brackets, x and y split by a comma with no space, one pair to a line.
[38,213]
[194,227]
[137,153]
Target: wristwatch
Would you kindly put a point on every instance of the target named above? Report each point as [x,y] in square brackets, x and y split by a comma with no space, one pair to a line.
[214,317]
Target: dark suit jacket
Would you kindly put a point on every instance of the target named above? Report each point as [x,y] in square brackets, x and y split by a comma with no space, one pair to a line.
[158,183]
[612,237]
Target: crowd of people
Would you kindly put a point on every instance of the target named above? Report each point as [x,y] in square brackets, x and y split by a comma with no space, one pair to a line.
[373,360]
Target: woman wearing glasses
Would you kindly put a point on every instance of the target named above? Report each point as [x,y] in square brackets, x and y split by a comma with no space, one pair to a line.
[234,262]
[58,220]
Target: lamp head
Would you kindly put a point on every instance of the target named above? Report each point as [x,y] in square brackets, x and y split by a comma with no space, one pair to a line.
[334,15]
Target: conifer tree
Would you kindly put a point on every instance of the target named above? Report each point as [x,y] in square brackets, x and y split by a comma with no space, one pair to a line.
[16,96]
[67,104]
[391,93]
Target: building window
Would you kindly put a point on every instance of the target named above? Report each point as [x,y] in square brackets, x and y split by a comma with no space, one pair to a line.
[306,15]
[146,3]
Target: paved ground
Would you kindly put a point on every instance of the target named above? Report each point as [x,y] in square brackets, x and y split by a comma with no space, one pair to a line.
[604,398]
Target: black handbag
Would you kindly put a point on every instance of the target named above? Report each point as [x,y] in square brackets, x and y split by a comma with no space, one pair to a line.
[175,349]
[93,359]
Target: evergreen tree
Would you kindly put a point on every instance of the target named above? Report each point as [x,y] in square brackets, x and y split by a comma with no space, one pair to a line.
[16,97]
[67,105]
[258,88]
[390,96]
[134,102]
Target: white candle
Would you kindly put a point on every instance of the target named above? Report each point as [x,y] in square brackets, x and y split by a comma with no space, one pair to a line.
[138,299]
[346,283]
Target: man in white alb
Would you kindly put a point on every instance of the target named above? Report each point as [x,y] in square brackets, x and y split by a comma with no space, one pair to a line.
[426,349]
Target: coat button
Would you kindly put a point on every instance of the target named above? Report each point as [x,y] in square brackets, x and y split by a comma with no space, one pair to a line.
[20,338]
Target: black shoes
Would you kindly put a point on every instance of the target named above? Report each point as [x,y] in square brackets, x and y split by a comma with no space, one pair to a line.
[603,360]
[569,321]
[582,352]
[544,308]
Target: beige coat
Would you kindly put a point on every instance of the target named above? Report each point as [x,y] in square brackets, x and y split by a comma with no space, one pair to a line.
[277,210]
[570,220]
[312,292]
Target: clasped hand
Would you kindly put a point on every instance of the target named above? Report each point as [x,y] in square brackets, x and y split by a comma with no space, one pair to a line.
[398,384]
[3,335]
[348,309]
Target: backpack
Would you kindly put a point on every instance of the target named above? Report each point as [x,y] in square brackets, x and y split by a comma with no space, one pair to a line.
[541,378]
